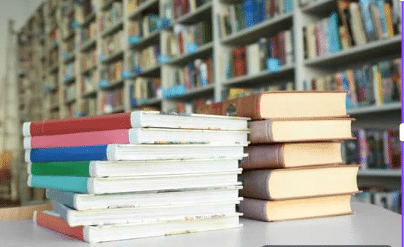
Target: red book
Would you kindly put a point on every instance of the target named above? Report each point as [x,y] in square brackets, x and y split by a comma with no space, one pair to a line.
[208,62]
[240,63]
[180,43]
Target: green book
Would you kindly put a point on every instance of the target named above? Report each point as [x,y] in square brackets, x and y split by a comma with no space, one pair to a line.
[67,168]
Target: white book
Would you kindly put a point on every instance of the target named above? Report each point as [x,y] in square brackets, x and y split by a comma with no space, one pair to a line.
[253,63]
[143,199]
[143,214]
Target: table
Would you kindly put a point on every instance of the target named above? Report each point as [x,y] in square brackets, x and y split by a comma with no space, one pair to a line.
[370,225]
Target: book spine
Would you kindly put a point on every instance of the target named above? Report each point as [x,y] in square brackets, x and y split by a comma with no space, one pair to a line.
[65,198]
[67,154]
[58,224]
[75,169]
[263,157]
[254,209]
[86,124]
[81,139]
[74,184]
[255,184]
[261,131]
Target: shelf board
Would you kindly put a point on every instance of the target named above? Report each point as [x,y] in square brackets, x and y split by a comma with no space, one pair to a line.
[114,84]
[319,7]
[69,35]
[367,51]
[69,81]
[115,56]
[195,15]
[89,69]
[117,110]
[88,19]
[115,27]
[152,38]
[70,101]
[252,34]
[375,109]
[88,44]
[54,68]
[201,52]
[195,92]
[89,94]
[54,107]
[152,101]
[107,4]
[152,72]
[380,173]
[261,76]
[69,58]
[146,5]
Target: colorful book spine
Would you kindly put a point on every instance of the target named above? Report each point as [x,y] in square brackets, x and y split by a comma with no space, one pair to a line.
[67,154]
[67,168]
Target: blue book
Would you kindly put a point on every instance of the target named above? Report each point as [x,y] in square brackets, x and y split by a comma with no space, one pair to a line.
[345,86]
[367,19]
[288,6]
[115,152]
[333,33]
[380,5]
[248,6]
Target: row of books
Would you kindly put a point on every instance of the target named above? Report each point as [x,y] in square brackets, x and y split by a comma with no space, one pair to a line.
[196,74]
[88,107]
[374,149]
[89,82]
[133,4]
[112,43]
[70,93]
[391,200]
[69,72]
[356,24]
[85,9]
[268,54]
[144,89]
[191,106]
[111,16]
[143,27]
[182,7]
[88,60]
[186,39]
[112,101]
[88,33]
[112,72]
[68,23]
[370,84]
[233,93]
[145,59]
[235,17]
[69,46]
[51,82]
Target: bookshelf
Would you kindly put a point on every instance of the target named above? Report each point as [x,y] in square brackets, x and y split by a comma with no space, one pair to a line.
[93,87]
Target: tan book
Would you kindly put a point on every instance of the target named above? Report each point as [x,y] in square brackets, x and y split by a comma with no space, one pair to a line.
[281,184]
[389,20]
[358,31]
[300,130]
[292,155]
[296,208]
[283,104]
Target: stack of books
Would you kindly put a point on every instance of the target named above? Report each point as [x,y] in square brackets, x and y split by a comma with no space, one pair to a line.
[137,174]
[294,168]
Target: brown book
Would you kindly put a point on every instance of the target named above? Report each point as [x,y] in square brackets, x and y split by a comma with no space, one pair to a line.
[300,129]
[292,155]
[296,208]
[283,104]
[281,184]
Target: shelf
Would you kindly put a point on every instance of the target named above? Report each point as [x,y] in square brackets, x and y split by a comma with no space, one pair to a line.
[152,72]
[113,84]
[70,101]
[89,69]
[69,58]
[69,35]
[87,45]
[54,68]
[115,27]
[153,38]
[252,34]
[320,7]
[202,51]
[147,5]
[261,77]
[208,90]
[107,4]
[88,19]
[54,107]
[115,56]
[195,15]
[380,173]
[69,81]
[375,109]
[89,94]
[369,51]
[152,101]
[116,110]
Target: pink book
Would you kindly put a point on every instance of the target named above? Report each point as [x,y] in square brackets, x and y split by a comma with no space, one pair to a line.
[136,136]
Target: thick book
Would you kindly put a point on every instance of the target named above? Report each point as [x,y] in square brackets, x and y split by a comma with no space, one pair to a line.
[143,199]
[286,155]
[130,168]
[304,208]
[136,136]
[299,130]
[106,185]
[137,215]
[134,119]
[280,184]
[282,104]
[132,152]
[95,234]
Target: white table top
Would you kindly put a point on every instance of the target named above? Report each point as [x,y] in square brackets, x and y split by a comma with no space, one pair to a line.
[371,225]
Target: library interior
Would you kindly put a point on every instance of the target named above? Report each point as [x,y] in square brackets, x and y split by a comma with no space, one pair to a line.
[103,101]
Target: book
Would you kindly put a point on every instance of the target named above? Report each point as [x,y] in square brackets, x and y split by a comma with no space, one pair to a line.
[80,201]
[281,184]
[132,120]
[104,185]
[136,215]
[300,129]
[136,136]
[115,152]
[288,104]
[95,234]
[286,155]
[304,208]
[130,168]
